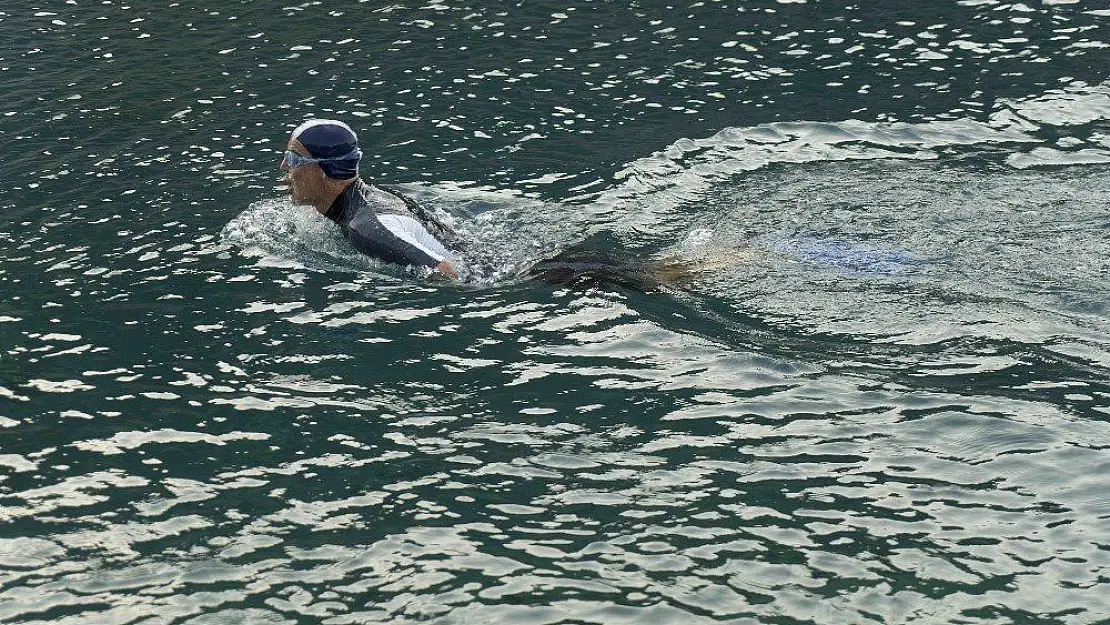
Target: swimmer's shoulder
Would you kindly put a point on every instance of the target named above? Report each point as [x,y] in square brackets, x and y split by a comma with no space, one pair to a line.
[381,200]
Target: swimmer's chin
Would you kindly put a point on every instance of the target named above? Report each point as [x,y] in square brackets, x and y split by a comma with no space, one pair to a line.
[297,201]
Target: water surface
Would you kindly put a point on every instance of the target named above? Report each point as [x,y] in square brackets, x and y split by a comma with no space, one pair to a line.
[891,408]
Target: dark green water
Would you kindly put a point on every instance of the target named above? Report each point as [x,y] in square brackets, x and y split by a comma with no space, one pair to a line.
[892,407]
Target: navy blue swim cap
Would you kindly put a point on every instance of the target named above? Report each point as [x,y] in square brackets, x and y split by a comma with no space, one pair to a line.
[328,138]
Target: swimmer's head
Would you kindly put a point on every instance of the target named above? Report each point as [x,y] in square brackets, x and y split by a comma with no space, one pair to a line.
[333,143]
[322,155]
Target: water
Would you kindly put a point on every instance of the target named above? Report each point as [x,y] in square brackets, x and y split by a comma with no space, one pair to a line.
[889,405]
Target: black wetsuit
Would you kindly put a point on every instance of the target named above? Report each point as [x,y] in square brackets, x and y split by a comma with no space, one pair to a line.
[387,225]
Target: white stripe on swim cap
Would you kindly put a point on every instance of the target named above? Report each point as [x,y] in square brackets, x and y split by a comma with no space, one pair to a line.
[322,122]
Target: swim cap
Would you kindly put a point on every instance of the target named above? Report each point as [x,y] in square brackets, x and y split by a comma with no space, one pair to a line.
[331,139]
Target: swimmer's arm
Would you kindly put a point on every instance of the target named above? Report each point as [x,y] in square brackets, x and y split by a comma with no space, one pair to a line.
[403,240]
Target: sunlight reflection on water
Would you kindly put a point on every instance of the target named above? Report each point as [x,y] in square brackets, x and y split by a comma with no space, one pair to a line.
[887,402]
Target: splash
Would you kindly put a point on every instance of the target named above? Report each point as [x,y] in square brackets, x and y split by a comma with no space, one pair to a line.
[277,234]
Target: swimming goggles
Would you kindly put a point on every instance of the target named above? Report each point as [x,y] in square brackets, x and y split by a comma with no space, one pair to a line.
[292,160]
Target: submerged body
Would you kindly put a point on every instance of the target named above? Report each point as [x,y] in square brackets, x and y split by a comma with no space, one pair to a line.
[590,267]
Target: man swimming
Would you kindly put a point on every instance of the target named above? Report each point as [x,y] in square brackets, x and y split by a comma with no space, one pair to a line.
[321,165]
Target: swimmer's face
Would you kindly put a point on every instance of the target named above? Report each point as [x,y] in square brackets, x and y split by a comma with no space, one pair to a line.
[306,183]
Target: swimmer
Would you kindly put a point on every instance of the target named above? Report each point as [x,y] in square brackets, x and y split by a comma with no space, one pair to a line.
[321,165]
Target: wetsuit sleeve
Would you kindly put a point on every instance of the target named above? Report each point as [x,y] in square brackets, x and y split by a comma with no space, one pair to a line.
[396,239]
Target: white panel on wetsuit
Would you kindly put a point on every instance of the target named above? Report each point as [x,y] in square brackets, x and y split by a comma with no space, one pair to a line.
[411,231]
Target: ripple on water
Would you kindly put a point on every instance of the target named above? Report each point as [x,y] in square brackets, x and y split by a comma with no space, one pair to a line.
[804,495]
[893,409]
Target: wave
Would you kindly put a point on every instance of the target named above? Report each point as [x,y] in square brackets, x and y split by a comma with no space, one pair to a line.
[649,189]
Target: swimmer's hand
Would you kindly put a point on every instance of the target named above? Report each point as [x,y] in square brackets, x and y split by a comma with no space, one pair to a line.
[445,268]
